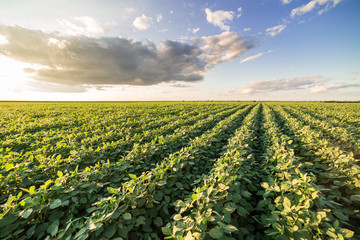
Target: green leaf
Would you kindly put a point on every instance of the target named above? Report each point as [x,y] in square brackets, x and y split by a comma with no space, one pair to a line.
[110,231]
[60,174]
[307,204]
[32,190]
[252,187]
[91,209]
[346,232]
[158,196]
[194,197]
[93,226]
[177,217]
[158,221]
[19,195]
[127,216]
[166,231]
[53,228]
[246,194]
[321,215]
[133,176]
[56,203]
[25,214]
[223,186]
[286,203]
[188,236]
[283,237]
[7,220]
[216,233]
[355,198]
[112,190]
[30,231]
[230,228]
[341,216]
[140,220]
[179,203]
[9,166]
[79,233]
[265,185]
[331,234]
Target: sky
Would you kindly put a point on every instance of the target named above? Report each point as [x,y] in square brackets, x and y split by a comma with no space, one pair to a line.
[111,50]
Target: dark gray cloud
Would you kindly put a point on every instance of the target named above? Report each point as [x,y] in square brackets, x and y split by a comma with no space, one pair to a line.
[83,60]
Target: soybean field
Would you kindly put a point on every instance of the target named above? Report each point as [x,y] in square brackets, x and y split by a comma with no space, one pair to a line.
[179,170]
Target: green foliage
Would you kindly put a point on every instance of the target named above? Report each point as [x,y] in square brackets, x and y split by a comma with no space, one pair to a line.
[196,170]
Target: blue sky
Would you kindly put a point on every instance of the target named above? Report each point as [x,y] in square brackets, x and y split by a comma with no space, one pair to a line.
[180,50]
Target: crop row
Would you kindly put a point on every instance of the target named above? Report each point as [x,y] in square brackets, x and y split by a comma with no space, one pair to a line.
[179,171]
[23,170]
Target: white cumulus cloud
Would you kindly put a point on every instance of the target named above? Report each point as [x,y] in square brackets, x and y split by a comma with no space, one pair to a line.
[219,18]
[239,12]
[273,31]
[282,84]
[286,1]
[130,10]
[60,44]
[91,25]
[336,86]
[195,30]
[159,17]
[313,5]
[83,25]
[143,22]
[252,57]
[223,47]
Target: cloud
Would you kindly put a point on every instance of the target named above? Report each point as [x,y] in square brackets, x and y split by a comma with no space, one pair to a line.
[53,87]
[273,31]
[91,25]
[83,25]
[195,30]
[247,29]
[82,60]
[159,17]
[283,84]
[224,47]
[143,22]
[177,85]
[219,18]
[255,56]
[252,57]
[285,1]
[354,73]
[239,12]
[112,23]
[318,89]
[60,44]
[130,10]
[313,5]
[3,40]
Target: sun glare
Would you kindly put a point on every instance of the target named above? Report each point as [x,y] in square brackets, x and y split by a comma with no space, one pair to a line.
[12,75]
[3,40]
